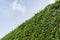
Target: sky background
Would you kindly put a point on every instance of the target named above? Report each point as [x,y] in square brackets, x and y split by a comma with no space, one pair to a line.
[15,12]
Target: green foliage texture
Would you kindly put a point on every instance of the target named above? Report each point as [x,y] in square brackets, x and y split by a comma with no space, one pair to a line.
[45,25]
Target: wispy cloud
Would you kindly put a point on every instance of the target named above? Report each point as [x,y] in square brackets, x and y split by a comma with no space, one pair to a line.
[52,1]
[18,6]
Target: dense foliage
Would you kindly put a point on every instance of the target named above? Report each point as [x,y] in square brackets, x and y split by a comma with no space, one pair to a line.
[45,25]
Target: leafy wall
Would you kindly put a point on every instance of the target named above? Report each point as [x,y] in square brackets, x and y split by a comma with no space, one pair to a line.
[45,25]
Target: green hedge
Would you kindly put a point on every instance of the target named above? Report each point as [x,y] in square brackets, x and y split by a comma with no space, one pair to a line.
[45,25]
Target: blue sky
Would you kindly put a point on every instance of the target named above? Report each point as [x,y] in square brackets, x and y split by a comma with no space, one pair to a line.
[15,12]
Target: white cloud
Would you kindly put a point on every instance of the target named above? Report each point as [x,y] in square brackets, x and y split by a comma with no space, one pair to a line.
[17,6]
[52,1]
